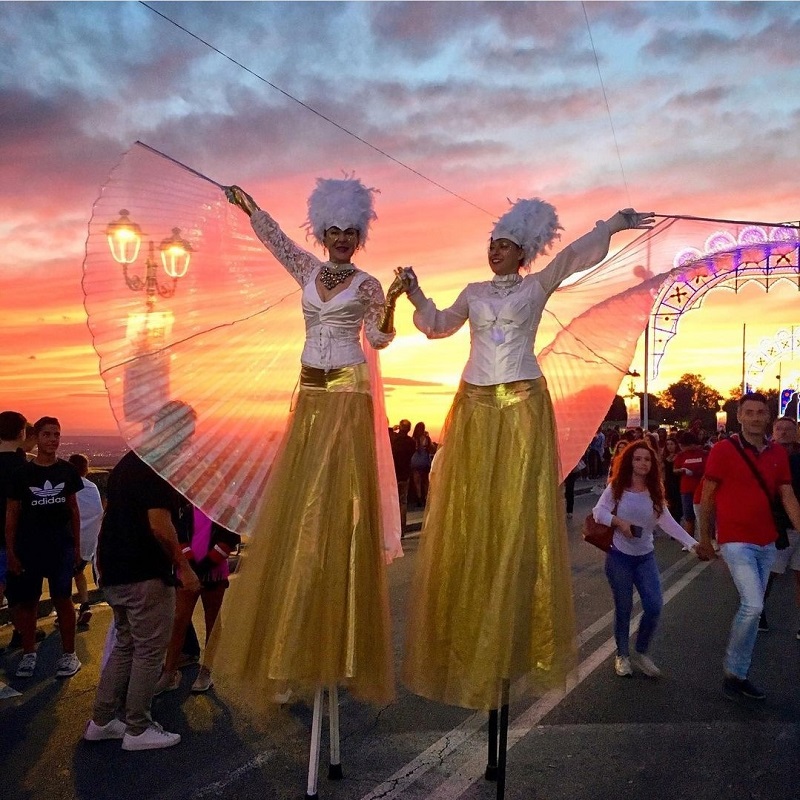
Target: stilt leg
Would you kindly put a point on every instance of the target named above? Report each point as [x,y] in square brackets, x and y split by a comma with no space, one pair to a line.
[491,761]
[313,756]
[335,766]
[503,746]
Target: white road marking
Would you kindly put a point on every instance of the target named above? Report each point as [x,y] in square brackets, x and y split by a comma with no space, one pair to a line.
[462,737]
[475,750]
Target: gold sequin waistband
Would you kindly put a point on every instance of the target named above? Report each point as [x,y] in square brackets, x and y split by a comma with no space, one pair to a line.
[341,379]
[503,394]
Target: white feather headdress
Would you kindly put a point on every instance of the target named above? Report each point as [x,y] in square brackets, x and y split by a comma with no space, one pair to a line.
[341,203]
[531,224]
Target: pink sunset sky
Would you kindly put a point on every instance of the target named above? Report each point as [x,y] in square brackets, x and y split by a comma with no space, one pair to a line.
[491,100]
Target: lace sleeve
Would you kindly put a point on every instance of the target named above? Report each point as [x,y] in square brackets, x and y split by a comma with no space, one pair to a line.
[299,263]
[370,294]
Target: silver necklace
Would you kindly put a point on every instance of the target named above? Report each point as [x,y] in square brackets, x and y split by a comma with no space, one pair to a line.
[505,284]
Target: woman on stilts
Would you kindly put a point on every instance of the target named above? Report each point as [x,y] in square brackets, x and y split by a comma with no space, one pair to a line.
[491,606]
[308,608]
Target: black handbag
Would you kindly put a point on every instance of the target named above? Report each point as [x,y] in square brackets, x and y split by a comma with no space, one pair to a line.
[779,516]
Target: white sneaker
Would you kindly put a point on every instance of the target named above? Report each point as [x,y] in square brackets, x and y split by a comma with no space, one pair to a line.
[154,738]
[67,665]
[622,666]
[99,733]
[645,664]
[26,666]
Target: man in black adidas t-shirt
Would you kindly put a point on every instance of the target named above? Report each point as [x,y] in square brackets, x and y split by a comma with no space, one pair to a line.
[43,538]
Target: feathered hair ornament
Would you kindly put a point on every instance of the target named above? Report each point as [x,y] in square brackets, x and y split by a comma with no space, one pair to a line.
[342,203]
[530,224]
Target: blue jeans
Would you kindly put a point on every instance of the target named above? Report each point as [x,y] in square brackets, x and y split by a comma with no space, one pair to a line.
[623,573]
[749,565]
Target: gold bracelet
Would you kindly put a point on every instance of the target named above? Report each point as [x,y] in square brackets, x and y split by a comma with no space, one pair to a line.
[386,325]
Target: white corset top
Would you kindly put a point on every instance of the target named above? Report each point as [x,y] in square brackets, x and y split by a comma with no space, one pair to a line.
[502,332]
[333,327]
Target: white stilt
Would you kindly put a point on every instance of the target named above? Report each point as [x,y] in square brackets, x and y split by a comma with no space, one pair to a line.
[335,766]
[313,756]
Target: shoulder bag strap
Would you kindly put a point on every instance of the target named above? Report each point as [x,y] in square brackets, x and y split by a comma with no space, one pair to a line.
[758,476]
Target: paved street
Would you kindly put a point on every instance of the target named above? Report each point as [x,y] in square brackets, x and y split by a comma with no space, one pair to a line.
[608,737]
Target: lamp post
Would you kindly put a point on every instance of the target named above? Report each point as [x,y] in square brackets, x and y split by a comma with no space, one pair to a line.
[146,378]
[722,418]
[632,403]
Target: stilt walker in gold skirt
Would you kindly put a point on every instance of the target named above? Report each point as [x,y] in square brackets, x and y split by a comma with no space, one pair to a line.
[491,603]
[308,608]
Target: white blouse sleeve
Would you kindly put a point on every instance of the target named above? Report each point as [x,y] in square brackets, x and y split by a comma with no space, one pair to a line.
[370,294]
[437,324]
[668,524]
[603,512]
[299,263]
[583,253]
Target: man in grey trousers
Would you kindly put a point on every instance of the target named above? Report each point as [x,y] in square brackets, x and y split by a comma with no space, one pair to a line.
[139,562]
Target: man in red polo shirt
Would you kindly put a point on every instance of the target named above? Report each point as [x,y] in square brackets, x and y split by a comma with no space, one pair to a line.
[746,530]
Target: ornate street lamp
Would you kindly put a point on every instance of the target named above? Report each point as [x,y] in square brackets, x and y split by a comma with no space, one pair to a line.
[124,240]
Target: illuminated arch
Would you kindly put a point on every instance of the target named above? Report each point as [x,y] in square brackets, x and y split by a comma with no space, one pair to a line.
[783,346]
[762,254]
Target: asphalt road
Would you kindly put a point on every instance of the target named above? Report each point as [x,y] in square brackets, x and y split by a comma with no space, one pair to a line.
[612,737]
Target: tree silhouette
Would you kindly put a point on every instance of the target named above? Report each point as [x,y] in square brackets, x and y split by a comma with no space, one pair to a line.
[688,399]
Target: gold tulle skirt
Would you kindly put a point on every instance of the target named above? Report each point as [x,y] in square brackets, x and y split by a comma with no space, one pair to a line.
[308,605]
[491,597]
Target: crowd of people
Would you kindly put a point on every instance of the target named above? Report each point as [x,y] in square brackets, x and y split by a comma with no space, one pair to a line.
[412,454]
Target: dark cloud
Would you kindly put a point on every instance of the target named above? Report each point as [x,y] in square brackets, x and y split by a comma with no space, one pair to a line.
[622,16]
[689,45]
[423,31]
[418,30]
[700,100]
[777,42]
[744,11]
[49,159]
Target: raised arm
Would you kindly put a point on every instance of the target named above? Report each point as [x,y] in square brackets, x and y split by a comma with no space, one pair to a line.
[591,248]
[299,263]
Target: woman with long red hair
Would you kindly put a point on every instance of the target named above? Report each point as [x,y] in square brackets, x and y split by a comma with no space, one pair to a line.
[633,504]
